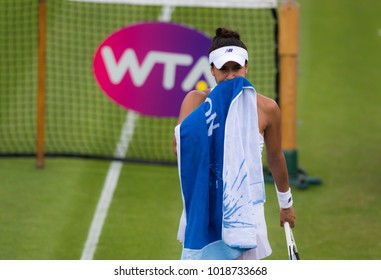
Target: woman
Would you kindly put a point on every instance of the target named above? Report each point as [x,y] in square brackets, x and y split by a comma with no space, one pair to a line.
[226,64]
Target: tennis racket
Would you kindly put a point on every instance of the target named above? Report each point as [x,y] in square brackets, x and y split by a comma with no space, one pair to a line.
[293,253]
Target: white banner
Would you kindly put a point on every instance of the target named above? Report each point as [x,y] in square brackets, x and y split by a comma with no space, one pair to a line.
[192,270]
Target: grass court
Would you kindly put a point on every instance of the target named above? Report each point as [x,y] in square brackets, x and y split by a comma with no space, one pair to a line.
[46,214]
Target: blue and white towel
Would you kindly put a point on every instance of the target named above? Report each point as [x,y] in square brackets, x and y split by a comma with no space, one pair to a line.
[221,173]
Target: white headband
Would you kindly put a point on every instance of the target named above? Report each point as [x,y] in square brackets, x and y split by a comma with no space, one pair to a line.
[229,53]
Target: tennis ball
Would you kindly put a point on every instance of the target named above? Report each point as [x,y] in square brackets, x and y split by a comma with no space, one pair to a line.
[201,85]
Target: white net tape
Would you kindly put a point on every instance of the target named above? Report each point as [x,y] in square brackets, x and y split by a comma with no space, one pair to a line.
[195,3]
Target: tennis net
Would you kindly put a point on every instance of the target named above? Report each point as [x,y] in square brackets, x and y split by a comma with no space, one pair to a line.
[80,121]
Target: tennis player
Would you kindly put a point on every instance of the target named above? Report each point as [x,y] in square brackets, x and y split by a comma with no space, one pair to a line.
[226,65]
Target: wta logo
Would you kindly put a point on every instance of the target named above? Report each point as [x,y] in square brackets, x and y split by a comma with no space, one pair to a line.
[149,67]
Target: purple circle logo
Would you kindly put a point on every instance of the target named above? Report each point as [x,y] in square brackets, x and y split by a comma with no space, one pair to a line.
[149,67]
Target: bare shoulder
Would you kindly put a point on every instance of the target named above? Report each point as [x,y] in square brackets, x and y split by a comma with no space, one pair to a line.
[268,113]
[267,105]
[191,101]
[196,96]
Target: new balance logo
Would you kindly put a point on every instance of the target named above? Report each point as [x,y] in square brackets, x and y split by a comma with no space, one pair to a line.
[229,50]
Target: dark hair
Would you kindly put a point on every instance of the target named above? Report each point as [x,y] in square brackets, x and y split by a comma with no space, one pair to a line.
[225,37]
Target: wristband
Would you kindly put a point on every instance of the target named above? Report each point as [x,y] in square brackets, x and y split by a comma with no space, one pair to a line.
[284,199]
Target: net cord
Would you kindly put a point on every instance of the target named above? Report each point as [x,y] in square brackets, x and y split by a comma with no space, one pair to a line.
[194,3]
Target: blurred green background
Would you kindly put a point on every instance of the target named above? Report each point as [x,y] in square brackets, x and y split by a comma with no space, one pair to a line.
[46,214]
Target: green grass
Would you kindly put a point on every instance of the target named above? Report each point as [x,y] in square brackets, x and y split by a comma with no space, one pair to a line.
[339,129]
[146,210]
[46,214]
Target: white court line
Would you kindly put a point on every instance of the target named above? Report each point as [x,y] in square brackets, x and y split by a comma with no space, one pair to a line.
[114,172]
[109,188]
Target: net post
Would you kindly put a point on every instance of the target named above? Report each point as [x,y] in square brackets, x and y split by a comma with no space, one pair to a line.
[41,84]
[288,63]
[288,55]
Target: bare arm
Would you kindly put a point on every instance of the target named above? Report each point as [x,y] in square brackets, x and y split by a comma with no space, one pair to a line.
[276,159]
